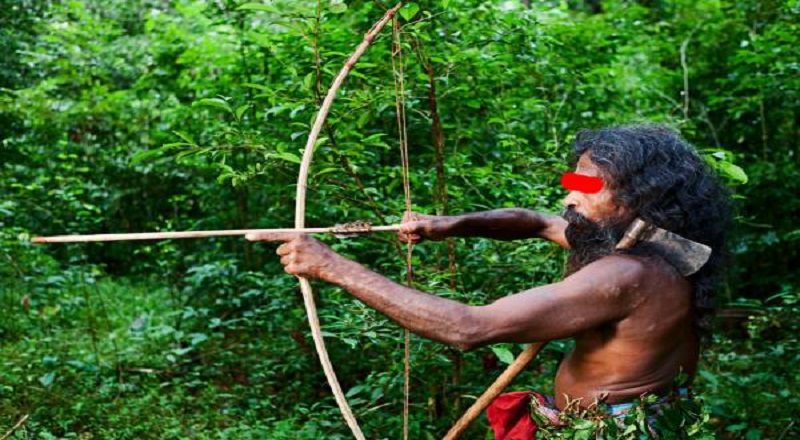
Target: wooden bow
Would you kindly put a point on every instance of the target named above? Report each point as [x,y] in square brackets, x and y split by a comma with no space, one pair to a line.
[502,381]
[300,213]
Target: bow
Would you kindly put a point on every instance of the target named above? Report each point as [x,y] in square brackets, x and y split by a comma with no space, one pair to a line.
[300,212]
[308,298]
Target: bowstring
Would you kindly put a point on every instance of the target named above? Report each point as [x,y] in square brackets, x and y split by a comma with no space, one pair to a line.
[400,104]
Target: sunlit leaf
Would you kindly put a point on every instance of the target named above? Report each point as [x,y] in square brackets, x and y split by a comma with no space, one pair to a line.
[735,172]
[185,136]
[213,102]
[288,157]
[240,111]
[268,7]
[337,6]
[47,379]
[409,11]
[503,353]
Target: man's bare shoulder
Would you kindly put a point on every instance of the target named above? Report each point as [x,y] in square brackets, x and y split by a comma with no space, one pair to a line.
[627,275]
[619,269]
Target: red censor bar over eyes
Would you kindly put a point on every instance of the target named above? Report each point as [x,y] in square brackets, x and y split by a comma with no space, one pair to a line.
[583,183]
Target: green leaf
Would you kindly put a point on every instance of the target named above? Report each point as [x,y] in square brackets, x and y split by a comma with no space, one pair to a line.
[257,7]
[320,141]
[144,155]
[374,139]
[182,351]
[261,40]
[503,353]
[240,111]
[288,157]
[409,11]
[737,427]
[308,81]
[47,379]
[296,110]
[327,170]
[257,87]
[753,434]
[185,136]
[197,338]
[337,6]
[355,390]
[213,102]
[734,172]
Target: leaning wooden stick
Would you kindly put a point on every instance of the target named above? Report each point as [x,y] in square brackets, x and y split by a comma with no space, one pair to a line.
[346,229]
[494,390]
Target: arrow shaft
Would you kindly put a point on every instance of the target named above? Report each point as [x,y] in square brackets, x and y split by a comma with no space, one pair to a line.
[203,234]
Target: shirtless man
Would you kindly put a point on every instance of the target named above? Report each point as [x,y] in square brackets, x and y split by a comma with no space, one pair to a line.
[635,320]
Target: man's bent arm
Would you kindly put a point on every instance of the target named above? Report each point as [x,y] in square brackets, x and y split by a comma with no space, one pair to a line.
[593,296]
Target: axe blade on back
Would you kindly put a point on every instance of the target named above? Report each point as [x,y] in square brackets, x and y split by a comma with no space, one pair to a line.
[685,255]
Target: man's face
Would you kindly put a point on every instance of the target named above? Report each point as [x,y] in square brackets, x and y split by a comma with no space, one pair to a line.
[598,207]
[596,222]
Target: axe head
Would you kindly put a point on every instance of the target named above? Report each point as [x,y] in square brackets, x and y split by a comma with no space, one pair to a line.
[685,255]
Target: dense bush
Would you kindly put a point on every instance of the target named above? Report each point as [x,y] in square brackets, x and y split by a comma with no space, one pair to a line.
[132,116]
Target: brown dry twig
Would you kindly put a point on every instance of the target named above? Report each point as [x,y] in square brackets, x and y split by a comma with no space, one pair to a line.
[15,427]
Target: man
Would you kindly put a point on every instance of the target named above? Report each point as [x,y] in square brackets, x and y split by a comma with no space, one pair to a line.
[635,320]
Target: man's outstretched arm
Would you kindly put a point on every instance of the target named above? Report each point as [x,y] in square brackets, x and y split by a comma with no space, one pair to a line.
[597,294]
[498,224]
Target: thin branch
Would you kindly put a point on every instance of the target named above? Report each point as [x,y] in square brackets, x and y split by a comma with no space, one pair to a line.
[15,427]
[685,67]
[437,137]
[554,119]
[398,68]
[317,58]
[707,119]
[762,111]
[783,434]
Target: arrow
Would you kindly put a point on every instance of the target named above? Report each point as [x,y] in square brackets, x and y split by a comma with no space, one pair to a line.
[345,229]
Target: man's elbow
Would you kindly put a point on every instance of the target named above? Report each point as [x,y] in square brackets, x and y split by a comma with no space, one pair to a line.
[465,345]
[472,333]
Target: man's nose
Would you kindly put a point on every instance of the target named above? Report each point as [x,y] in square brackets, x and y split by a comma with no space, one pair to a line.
[571,200]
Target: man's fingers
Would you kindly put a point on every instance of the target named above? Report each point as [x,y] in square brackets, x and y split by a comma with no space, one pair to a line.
[272,236]
[410,227]
[291,269]
[412,238]
[283,249]
[408,232]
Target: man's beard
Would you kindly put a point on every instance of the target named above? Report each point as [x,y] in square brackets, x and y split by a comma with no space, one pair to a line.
[589,240]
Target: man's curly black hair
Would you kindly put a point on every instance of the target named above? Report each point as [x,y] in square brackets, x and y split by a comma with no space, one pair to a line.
[663,180]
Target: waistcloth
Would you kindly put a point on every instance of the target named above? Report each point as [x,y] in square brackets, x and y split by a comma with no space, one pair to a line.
[511,415]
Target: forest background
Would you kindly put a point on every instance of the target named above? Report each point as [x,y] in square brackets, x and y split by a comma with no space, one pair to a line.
[145,115]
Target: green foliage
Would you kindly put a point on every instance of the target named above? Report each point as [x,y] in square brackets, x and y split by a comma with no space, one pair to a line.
[751,376]
[133,116]
[681,418]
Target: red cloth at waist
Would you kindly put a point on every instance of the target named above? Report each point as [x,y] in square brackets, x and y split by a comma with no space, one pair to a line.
[510,415]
